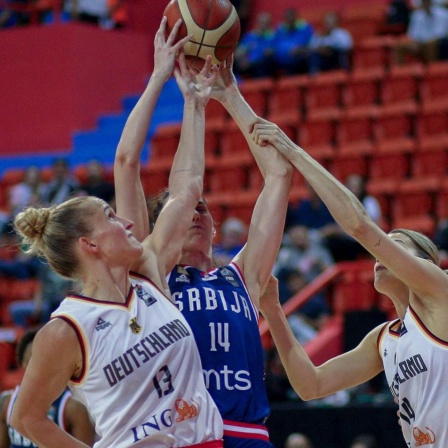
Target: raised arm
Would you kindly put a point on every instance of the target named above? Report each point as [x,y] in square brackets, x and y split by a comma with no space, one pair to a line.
[310,382]
[187,172]
[130,198]
[258,256]
[56,359]
[421,276]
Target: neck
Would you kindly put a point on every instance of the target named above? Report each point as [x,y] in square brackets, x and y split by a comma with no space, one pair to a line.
[110,287]
[400,303]
[196,259]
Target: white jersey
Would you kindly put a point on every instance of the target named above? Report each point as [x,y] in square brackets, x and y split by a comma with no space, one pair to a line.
[422,366]
[142,377]
[387,347]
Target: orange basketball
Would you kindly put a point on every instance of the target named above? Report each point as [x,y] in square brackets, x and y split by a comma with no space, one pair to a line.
[215,26]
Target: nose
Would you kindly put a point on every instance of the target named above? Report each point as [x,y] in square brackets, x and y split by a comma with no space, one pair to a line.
[127,223]
[196,216]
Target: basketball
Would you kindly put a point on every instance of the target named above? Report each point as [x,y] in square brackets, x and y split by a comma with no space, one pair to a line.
[215,26]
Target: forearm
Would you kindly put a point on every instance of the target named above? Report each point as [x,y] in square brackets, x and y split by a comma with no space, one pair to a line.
[302,373]
[187,171]
[46,434]
[245,117]
[265,234]
[137,125]
[127,159]
[345,208]
[185,190]
[239,110]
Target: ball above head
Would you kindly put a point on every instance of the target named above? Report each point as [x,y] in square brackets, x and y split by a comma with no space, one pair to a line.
[214,24]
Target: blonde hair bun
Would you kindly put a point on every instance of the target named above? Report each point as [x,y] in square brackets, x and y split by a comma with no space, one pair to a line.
[31,223]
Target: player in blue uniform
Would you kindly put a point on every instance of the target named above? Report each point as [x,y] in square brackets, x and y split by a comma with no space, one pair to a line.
[66,412]
[221,304]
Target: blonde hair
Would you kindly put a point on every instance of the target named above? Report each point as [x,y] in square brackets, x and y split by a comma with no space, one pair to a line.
[425,247]
[52,232]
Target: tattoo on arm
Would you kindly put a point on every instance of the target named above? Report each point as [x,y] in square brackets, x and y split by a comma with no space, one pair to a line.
[378,243]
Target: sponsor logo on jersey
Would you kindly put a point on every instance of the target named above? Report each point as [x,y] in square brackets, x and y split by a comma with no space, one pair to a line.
[182,278]
[144,295]
[422,437]
[185,410]
[208,277]
[228,275]
[227,379]
[155,423]
[102,324]
[182,270]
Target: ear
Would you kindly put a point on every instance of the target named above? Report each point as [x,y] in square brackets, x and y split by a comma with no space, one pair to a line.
[87,245]
[213,232]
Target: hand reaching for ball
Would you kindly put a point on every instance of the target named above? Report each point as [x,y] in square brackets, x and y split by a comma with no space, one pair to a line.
[225,83]
[195,87]
[167,49]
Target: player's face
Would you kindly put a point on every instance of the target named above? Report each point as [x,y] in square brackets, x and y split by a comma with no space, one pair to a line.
[200,232]
[384,279]
[113,235]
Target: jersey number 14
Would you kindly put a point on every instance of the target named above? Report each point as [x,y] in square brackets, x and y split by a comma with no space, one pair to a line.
[219,336]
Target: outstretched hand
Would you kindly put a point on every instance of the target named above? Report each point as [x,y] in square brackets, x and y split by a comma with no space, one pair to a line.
[165,50]
[196,86]
[265,132]
[225,82]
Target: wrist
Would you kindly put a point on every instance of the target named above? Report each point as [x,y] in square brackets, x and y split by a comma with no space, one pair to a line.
[158,76]
[229,95]
[194,104]
[270,309]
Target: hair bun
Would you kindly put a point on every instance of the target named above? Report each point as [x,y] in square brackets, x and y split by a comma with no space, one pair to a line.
[31,222]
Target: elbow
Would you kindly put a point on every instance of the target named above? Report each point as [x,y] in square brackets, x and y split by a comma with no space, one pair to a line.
[305,395]
[19,422]
[361,228]
[123,159]
[189,191]
[358,223]
[197,185]
[194,188]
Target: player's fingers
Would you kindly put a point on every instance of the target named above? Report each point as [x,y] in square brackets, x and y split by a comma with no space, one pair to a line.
[177,74]
[174,32]
[162,25]
[213,74]
[260,127]
[205,71]
[178,45]
[182,64]
[160,34]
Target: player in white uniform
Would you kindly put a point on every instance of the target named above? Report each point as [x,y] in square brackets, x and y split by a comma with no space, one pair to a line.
[408,271]
[121,345]
[155,359]
[420,378]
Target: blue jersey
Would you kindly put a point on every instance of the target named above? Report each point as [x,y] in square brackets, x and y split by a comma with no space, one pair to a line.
[224,321]
[55,413]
